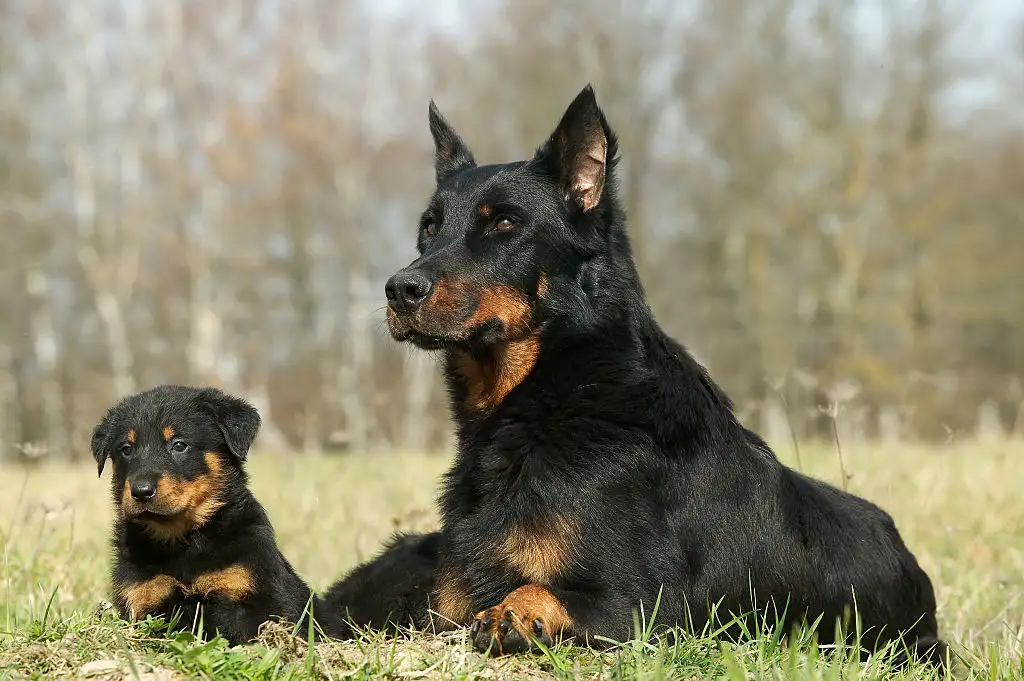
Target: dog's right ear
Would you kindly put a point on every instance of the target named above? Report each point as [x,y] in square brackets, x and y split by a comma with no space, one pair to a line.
[450,153]
[581,152]
[101,445]
[238,421]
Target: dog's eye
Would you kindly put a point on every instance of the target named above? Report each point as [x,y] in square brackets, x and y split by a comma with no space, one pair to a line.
[429,227]
[126,449]
[504,223]
[179,446]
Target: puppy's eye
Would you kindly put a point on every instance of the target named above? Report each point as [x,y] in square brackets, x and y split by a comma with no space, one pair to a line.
[429,227]
[504,223]
[179,446]
[126,449]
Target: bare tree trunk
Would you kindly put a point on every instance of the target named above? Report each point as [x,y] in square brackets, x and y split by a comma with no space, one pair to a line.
[419,374]
[8,397]
[44,338]
[83,183]
[270,436]
[357,416]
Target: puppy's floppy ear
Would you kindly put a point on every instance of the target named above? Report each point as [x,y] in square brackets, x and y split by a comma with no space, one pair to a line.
[581,152]
[101,445]
[450,152]
[237,420]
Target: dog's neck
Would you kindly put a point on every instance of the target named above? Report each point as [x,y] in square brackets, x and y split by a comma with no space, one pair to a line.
[485,376]
[623,351]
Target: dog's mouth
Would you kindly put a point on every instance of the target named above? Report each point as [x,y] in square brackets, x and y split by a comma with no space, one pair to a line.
[415,329]
[426,342]
[152,514]
[418,331]
[490,316]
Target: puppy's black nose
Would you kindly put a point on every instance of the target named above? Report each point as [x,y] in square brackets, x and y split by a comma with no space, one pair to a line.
[407,290]
[143,490]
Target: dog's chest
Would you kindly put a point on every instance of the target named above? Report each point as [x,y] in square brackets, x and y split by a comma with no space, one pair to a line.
[163,586]
[538,548]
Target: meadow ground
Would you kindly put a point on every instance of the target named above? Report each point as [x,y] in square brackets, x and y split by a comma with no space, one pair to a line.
[960,509]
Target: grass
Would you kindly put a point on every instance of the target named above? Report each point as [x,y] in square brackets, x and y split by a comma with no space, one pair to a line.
[960,509]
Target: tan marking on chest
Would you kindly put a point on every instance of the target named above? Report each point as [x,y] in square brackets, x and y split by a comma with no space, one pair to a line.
[452,601]
[540,552]
[488,380]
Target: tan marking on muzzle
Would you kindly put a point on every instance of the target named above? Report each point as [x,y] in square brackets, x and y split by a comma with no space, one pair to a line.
[189,503]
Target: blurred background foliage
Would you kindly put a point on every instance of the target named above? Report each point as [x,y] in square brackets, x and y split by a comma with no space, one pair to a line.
[826,201]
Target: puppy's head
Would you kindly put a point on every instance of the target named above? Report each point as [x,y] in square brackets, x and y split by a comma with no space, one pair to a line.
[176,452]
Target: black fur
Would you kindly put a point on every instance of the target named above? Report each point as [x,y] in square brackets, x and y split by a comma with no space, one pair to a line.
[612,466]
[392,589]
[202,521]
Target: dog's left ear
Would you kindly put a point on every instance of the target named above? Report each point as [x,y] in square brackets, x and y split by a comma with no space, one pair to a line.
[101,445]
[580,151]
[450,153]
[237,420]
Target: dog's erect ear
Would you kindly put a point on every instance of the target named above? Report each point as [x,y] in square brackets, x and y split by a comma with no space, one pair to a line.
[237,420]
[101,445]
[450,152]
[580,151]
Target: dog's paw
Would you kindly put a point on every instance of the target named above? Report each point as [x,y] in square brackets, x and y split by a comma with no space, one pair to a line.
[528,616]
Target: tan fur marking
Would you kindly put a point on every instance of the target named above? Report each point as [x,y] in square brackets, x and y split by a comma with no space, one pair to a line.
[132,436]
[504,303]
[444,297]
[452,600]
[534,602]
[527,604]
[190,503]
[484,210]
[168,433]
[542,285]
[234,583]
[540,554]
[126,496]
[489,380]
[144,598]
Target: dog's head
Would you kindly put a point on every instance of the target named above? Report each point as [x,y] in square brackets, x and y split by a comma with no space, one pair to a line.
[175,451]
[497,241]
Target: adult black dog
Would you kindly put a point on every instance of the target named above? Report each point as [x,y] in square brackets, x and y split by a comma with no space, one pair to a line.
[598,463]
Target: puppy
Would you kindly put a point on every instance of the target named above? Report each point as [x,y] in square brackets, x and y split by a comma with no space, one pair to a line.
[189,536]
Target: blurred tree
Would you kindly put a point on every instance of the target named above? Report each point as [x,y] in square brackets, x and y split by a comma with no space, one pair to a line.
[819,206]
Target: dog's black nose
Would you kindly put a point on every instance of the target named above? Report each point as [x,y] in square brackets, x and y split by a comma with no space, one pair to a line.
[143,490]
[407,290]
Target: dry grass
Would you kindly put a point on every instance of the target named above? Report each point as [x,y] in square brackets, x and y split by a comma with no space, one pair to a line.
[959,508]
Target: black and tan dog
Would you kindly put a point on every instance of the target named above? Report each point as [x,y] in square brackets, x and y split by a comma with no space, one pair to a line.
[598,463]
[188,531]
